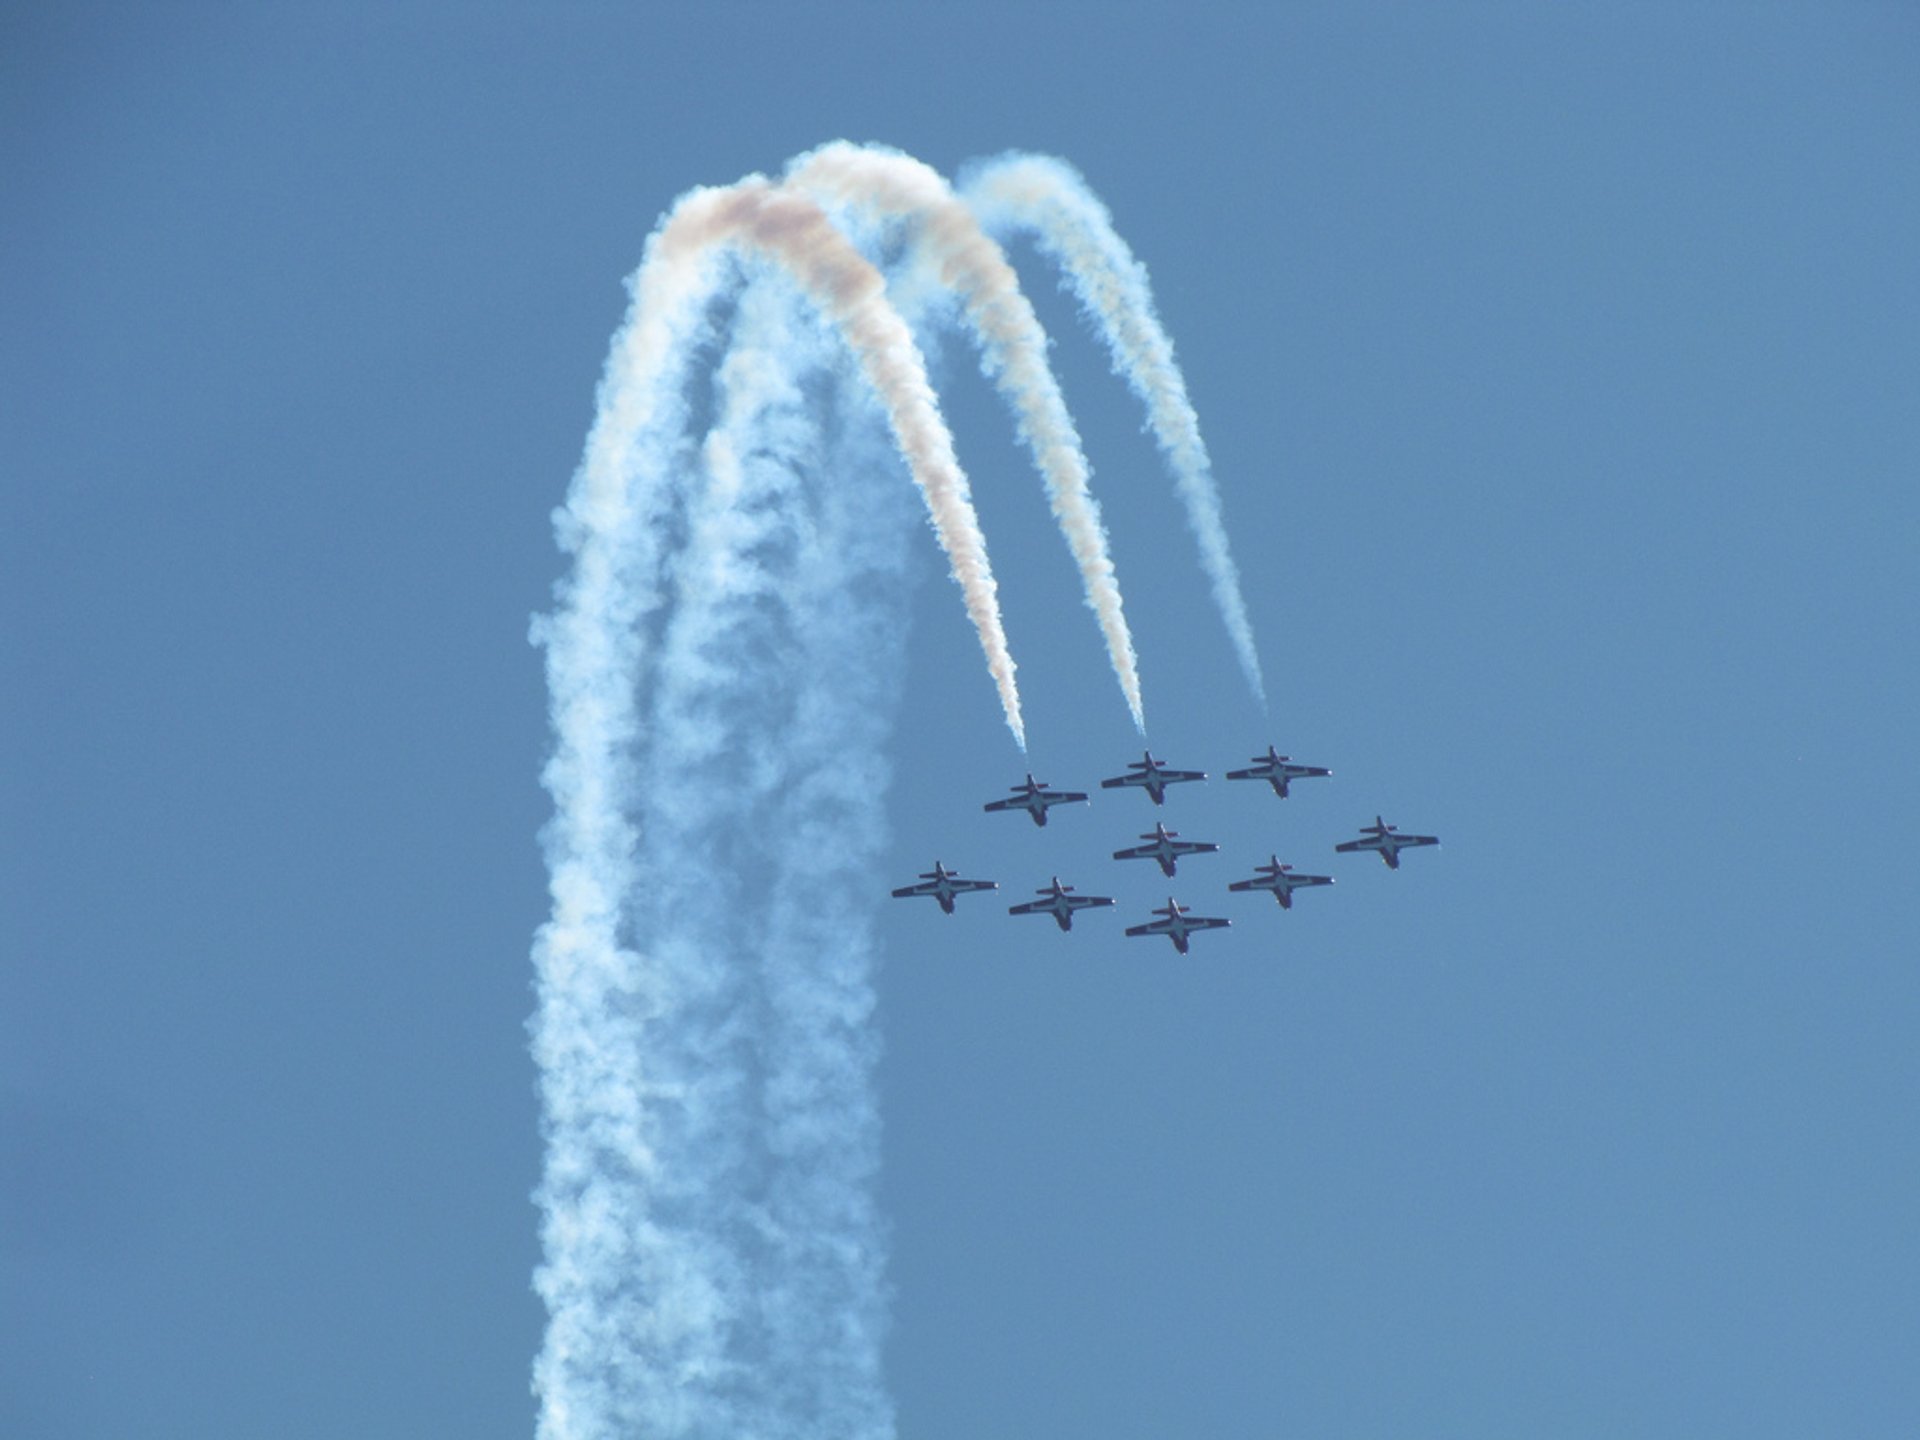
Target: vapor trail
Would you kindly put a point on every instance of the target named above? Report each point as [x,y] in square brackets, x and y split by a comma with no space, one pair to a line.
[771,688]
[597,1095]
[648,1050]
[722,661]
[794,231]
[1013,353]
[1034,192]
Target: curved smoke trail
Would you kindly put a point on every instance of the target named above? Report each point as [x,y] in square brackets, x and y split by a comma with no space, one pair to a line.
[795,232]
[704,1026]
[1013,347]
[1037,193]
[722,664]
[643,1276]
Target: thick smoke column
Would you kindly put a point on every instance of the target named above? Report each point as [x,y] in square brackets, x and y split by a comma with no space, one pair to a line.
[1037,193]
[713,1255]
[1013,352]
[645,1264]
[722,664]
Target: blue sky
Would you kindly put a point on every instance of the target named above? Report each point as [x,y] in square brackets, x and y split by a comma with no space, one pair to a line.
[1558,371]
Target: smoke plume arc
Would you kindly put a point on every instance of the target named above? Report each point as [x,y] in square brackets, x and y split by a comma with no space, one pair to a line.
[722,661]
[968,262]
[1047,197]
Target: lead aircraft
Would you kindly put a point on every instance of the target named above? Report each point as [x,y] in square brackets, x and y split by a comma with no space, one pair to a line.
[1152,776]
[1387,840]
[1164,848]
[1279,879]
[1277,769]
[1059,902]
[1176,924]
[1034,797]
[943,884]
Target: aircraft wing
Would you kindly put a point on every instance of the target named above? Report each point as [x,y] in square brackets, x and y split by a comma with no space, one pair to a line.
[1265,882]
[1152,927]
[964,887]
[1406,840]
[1139,852]
[1348,846]
[925,887]
[1206,922]
[1032,907]
[1012,802]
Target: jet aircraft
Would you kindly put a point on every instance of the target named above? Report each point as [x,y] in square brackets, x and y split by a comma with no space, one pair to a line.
[1153,777]
[1034,797]
[943,884]
[1277,769]
[1176,924]
[1060,902]
[1280,879]
[1164,848]
[1386,839]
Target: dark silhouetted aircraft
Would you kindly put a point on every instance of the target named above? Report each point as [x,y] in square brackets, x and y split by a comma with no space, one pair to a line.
[1153,777]
[1164,847]
[1034,797]
[1281,880]
[1059,902]
[1176,924]
[1387,840]
[943,884]
[1277,769]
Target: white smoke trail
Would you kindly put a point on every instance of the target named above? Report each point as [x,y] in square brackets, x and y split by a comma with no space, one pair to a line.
[1013,352]
[710,1117]
[594,1086]
[643,1079]
[723,659]
[795,231]
[1037,193]
[775,683]
[822,1283]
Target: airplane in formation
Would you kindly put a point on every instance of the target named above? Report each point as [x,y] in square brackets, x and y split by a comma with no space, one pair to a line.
[1165,848]
[1177,924]
[1277,769]
[1152,776]
[1034,797]
[1387,840]
[1060,902]
[1280,880]
[943,884]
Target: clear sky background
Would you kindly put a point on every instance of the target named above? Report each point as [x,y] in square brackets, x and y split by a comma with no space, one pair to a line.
[1560,374]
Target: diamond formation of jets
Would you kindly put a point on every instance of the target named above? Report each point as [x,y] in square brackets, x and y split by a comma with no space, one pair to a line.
[1277,769]
[1387,840]
[1150,775]
[943,884]
[1059,901]
[1164,846]
[1035,798]
[1279,880]
[1177,924]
